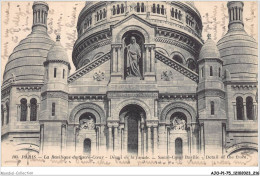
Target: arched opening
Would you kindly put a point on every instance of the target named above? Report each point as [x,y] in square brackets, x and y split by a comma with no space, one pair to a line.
[134,118]
[192,65]
[212,108]
[240,108]
[87,121]
[178,147]
[133,42]
[177,58]
[249,108]
[87,146]
[23,109]
[2,115]
[211,71]
[178,121]
[7,112]
[33,114]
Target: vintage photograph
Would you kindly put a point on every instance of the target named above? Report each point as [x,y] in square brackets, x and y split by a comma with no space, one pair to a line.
[129,83]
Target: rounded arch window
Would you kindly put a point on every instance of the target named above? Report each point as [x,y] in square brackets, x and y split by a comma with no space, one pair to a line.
[177,58]
[87,146]
[240,108]
[23,109]
[2,114]
[192,65]
[7,112]
[249,108]
[178,147]
[33,113]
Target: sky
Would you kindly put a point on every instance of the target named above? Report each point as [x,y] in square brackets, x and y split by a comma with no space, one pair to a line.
[16,20]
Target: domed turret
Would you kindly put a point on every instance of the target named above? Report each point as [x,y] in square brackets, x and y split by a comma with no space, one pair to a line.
[237,49]
[26,61]
[209,50]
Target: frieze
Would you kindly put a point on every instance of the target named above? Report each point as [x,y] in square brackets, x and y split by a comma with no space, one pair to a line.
[244,87]
[178,67]
[86,97]
[88,67]
[59,94]
[29,89]
[132,94]
[168,96]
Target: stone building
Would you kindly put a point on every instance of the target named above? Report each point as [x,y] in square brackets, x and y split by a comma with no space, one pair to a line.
[145,83]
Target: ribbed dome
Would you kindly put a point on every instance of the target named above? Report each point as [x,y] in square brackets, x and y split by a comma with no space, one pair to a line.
[25,64]
[239,52]
[57,52]
[209,50]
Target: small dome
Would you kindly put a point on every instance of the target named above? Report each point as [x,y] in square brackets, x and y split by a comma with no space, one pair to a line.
[209,50]
[57,52]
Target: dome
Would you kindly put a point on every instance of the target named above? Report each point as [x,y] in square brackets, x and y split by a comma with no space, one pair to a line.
[25,64]
[209,50]
[57,52]
[238,50]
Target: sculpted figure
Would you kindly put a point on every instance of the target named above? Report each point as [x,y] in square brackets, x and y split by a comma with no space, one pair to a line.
[133,58]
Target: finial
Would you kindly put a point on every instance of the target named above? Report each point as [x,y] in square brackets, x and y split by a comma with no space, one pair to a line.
[58,38]
[209,36]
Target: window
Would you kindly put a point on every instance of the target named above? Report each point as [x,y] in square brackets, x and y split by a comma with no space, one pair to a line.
[138,7]
[2,115]
[249,108]
[192,64]
[240,108]
[122,8]
[33,114]
[162,10]
[202,72]
[47,74]
[212,108]
[178,147]
[211,71]
[87,146]
[114,10]
[118,9]
[153,9]
[97,16]
[63,75]
[7,112]
[142,7]
[177,58]
[23,109]
[55,72]
[53,109]
[219,72]
[104,13]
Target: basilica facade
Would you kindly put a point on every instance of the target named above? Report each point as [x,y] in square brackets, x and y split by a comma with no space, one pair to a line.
[145,83]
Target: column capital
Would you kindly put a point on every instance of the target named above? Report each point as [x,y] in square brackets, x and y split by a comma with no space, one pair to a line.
[116,45]
[113,123]
[152,123]
[149,45]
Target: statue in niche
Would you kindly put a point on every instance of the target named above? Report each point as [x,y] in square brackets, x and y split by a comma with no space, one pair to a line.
[178,123]
[133,59]
[87,124]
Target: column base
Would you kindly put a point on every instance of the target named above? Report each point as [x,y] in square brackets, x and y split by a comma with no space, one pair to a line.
[149,76]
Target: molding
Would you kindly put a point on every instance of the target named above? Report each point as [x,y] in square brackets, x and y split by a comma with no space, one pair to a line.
[245,86]
[132,94]
[185,96]
[28,88]
[87,97]
[54,94]
[177,66]
[88,67]
[57,61]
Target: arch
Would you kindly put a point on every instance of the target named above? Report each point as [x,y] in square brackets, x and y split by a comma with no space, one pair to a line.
[186,109]
[97,55]
[191,64]
[163,51]
[249,108]
[87,146]
[178,147]
[23,115]
[178,57]
[119,36]
[240,108]
[133,101]
[242,146]
[33,113]
[80,109]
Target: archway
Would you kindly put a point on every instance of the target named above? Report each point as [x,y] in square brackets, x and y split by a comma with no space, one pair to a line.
[134,141]
[126,40]
[87,146]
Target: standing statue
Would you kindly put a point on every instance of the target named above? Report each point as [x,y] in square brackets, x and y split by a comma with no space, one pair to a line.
[133,58]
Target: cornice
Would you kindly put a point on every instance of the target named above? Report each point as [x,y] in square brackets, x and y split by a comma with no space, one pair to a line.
[177,66]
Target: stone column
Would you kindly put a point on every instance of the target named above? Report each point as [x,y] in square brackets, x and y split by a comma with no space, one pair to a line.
[235,110]
[202,139]
[117,62]
[110,139]
[63,138]
[244,107]
[223,137]
[155,108]
[155,141]
[102,139]
[162,144]
[18,112]
[152,58]
[41,138]
[125,136]
[116,139]
[28,112]
[147,60]
[139,139]
[149,143]
[120,139]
